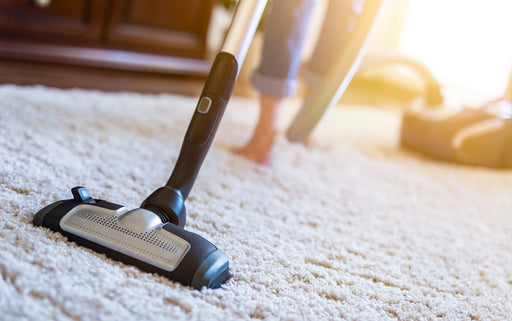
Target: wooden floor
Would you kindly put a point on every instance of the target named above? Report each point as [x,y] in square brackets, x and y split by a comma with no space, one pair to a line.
[66,76]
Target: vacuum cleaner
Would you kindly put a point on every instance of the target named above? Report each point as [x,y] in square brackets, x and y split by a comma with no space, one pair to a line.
[153,237]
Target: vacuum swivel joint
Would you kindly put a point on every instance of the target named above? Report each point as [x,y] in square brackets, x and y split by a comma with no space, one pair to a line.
[168,204]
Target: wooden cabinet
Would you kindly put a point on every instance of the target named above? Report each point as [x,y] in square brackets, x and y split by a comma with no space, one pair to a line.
[147,25]
[166,36]
[77,21]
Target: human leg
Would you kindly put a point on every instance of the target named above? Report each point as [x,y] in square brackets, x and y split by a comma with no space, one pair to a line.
[259,146]
[336,58]
[339,22]
[276,76]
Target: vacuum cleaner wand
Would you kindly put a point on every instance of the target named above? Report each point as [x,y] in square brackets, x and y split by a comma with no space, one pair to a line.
[167,201]
[152,237]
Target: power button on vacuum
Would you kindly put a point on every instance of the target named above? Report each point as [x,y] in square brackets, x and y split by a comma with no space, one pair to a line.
[204,105]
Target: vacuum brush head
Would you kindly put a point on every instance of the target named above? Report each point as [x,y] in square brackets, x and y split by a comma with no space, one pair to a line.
[137,237]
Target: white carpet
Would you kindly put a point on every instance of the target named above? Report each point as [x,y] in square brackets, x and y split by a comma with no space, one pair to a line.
[362,231]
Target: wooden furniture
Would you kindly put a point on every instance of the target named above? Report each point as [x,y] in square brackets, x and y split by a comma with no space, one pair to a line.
[151,36]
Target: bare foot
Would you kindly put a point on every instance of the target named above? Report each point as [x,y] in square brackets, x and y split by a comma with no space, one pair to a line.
[258,149]
[313,143]
[310,142]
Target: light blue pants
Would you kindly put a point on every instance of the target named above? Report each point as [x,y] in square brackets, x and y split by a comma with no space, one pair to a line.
[285,31]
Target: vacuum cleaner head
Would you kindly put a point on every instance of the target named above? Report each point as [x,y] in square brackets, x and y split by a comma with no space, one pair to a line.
[137,237]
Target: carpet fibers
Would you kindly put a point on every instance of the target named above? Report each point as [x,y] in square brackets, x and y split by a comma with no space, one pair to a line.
[362,230]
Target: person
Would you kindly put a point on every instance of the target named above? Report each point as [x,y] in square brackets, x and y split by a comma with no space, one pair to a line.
[277,74]
[276,78]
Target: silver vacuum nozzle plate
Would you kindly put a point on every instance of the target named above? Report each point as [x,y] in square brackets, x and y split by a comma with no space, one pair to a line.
[157,247]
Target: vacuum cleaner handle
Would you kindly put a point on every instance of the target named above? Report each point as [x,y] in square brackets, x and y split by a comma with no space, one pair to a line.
[215,95]
[204,123]
[167,201]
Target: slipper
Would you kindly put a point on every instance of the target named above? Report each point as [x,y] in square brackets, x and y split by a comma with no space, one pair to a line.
[474,136]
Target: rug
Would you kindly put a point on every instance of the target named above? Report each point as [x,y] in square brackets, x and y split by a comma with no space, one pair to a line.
[360,230]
